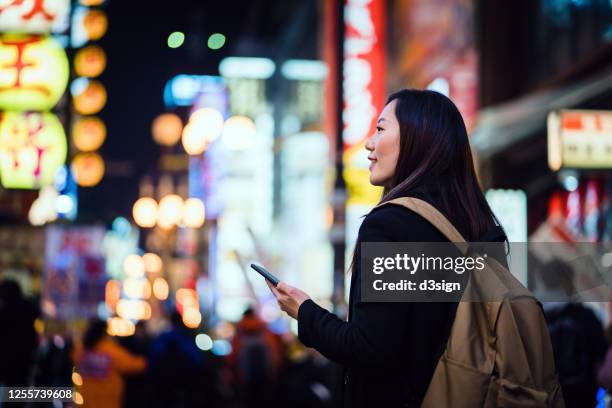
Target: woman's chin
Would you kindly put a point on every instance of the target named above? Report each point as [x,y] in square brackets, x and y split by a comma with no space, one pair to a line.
[375,181]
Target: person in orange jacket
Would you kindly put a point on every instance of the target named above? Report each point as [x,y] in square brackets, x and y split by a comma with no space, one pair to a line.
[256,360]
[102,363]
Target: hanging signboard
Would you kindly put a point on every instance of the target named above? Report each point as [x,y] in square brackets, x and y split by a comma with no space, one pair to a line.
[33,72]
[364,97]
[580,139]
[32,149]
[34,16]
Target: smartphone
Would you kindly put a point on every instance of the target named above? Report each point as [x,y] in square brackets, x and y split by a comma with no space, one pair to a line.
[266,274]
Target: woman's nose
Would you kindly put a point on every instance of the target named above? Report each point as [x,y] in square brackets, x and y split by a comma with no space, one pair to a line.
[370,143]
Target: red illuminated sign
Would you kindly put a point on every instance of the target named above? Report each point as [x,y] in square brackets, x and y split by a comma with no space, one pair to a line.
[364,68]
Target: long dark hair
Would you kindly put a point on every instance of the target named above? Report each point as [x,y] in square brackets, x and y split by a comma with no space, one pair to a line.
[435,161]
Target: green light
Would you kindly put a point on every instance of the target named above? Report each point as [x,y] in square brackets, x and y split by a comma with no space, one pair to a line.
[176,39]
[216,41]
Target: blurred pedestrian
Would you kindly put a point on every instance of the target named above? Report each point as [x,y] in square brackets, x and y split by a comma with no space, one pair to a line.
[102,365]
[18,339]
[307,380]
[177,368]
[136,386]
[577,337]
[256,359]
[604,372]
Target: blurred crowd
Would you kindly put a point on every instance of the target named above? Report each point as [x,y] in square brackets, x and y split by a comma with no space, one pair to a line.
[264,369]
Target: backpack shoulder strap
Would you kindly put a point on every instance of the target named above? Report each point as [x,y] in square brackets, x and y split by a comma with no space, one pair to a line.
[431,214]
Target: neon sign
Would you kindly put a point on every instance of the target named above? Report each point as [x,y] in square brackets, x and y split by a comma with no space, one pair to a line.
[33,16]
[32,149]
[33,72]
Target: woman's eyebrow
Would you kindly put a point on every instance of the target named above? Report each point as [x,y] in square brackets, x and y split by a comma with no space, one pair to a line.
[381,119]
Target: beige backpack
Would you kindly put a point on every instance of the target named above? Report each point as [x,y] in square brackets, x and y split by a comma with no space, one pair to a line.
[499,353]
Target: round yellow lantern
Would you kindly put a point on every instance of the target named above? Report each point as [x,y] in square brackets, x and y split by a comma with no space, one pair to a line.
[90,61]
[91,99]
[32,149]
[88,134]
[88,169]
[145,212]
[166,129]
[33,72]
[95,23]
[37,16]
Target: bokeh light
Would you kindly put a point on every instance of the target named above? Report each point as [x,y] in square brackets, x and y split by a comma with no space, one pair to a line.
[90,61]
[166,129]
[153,263]
[160,289]
[87,169]
[91,99]
[145,212]
[193,213]
[176,39]
[203,341]
[88,134]
[134,309]
[77,379]
[192,317]
[194,140]
[112,293]
[118,326]
[134,266]
[216,41]
[78,398]
[170,211]
[239,133]
[95,23]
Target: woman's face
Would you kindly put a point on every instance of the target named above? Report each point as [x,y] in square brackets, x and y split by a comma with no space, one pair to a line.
[384,147]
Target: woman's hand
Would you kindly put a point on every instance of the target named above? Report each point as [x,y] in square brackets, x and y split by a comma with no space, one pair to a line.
[289,298]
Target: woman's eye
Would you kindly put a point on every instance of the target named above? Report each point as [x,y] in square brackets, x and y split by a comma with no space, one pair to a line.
[379,129]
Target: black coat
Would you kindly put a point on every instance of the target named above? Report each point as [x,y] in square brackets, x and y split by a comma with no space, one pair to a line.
[389,350]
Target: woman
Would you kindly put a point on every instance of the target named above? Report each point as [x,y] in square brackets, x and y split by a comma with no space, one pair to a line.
[101,363]
[390,350]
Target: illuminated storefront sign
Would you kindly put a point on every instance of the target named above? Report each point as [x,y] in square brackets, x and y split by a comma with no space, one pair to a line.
[33,16]
[33,72]
[32,149]
[580,139]
[510,208]
[364,92]
[364,97]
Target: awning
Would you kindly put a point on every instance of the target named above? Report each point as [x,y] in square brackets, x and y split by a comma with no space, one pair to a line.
[503,125]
